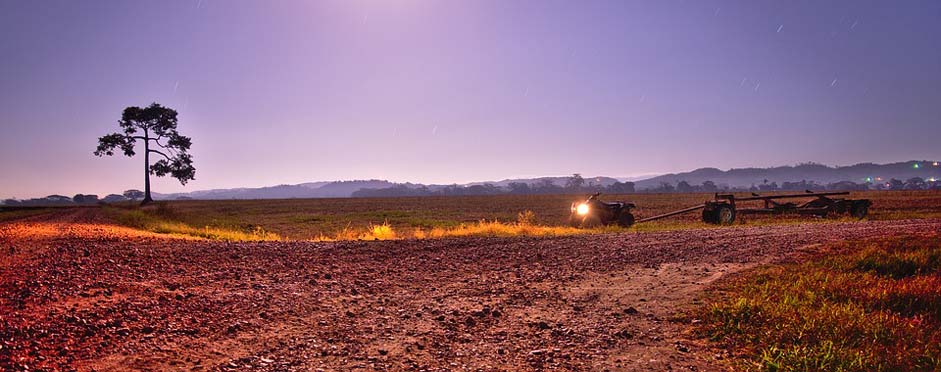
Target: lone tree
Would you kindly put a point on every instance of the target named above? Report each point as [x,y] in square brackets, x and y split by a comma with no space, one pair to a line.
[152,124]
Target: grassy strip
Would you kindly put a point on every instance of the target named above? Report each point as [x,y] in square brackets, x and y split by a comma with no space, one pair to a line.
[169,218]
[482,228]
[870,306]
[166,218]
[160,220]
[306,219]
[524,226]
[15,214]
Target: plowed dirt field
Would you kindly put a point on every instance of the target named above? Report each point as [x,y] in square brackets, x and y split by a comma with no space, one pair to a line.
[78,293]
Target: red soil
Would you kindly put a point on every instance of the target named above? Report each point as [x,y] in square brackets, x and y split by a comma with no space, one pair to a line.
[78,293]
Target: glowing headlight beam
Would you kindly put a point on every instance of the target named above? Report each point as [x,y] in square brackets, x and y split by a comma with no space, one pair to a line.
[582,209]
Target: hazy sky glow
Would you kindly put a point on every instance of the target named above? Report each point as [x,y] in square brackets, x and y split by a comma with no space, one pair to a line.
[444,91]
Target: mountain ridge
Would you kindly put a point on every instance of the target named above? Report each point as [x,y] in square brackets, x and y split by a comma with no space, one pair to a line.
[819,173]
[733,177]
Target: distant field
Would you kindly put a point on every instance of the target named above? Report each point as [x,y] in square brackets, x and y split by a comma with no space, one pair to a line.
[312,218]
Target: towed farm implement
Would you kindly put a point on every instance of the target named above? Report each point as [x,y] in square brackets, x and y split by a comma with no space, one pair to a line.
[724,209]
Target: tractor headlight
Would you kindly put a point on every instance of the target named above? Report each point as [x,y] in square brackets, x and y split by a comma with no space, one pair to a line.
[582,209]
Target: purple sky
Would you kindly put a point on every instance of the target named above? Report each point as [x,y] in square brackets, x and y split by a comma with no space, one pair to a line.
[445,91]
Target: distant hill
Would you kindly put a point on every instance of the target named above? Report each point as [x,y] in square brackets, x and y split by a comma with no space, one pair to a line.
[911,175]
[345,189]
[558,181]
[732,178]
[336,189]
[822,174]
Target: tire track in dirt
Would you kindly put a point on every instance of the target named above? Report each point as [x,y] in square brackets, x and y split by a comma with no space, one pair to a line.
[87,295]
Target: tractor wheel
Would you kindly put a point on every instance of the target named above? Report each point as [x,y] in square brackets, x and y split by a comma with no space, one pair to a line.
[709,216]
[591,221]
[725,215]
[860,209]
[626,220]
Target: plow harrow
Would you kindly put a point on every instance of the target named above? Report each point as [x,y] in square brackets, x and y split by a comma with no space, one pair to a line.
[724,209]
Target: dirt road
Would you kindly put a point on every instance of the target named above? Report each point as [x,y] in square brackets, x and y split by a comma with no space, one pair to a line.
[77,293]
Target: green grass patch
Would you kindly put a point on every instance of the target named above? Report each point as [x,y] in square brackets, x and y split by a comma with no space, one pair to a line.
[161,219]
[867,306]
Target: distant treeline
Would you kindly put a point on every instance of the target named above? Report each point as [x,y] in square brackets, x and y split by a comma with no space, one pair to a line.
[78,199]
[573,185]
[576,185]
[513,188]
[916,183]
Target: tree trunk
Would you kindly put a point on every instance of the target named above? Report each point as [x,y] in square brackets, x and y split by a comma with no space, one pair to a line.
[147,198]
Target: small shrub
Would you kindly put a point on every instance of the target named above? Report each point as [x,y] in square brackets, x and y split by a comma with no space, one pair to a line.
[347,233]
[526,218]
[379,232]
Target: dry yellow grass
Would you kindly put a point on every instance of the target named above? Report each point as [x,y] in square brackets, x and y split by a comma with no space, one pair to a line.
[436,217]
[385,231]
[525,225]
[170,227]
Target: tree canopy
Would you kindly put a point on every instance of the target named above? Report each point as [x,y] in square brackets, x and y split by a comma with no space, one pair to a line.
[156,126]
